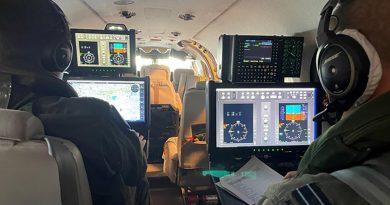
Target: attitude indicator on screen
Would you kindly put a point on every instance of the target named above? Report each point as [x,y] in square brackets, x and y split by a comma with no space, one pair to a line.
[238,123]
[293,122]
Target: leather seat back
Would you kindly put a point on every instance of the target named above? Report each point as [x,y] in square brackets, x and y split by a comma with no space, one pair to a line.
[192,156]
[36,169]
[178,73]
[186,82]
[156,72]
[161,88]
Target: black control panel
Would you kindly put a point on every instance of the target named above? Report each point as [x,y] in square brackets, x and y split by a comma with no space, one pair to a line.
[259,59]
[291,56]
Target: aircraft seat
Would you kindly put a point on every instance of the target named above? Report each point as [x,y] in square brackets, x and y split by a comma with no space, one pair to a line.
[178,73]
[186,82]
[37,169]
[162,91]
[183,154]
[156,72]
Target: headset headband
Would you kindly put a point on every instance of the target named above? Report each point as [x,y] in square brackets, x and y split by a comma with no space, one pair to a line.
[323,32]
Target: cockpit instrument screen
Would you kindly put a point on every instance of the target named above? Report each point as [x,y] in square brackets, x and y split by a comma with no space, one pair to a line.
[257,51]
[256,117]
[102,53]
[102,50]
[128,97]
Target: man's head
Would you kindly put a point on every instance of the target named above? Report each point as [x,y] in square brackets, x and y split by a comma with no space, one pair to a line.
[34,37]
[372,19]
[353,62]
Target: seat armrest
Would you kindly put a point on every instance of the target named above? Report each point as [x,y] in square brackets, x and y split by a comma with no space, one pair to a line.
[170,158]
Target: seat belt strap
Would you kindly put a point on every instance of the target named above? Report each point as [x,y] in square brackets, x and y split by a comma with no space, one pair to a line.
[370,184]
[5,90]
[66,170]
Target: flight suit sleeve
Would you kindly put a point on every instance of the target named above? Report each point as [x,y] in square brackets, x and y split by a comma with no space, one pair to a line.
[311,189]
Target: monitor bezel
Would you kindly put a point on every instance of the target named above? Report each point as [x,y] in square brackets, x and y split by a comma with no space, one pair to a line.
[146,81]
[76,70]
[238,152]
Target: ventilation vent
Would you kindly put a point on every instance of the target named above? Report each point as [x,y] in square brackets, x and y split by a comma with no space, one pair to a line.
[187,17]
[127,14]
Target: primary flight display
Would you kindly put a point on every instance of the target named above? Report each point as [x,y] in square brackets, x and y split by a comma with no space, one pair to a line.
[253,117]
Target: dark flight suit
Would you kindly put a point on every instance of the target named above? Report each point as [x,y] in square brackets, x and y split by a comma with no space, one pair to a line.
[355,140]
[113,159]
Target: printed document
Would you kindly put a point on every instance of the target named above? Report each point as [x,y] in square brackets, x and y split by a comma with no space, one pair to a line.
[251,181]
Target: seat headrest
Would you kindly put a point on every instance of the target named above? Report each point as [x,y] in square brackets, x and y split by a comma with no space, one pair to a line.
[19,126]
[156,72]
[200,85]
[179,72]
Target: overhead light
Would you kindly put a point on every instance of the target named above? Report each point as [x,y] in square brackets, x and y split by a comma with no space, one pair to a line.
[123,2]
[115,27]
[187,17]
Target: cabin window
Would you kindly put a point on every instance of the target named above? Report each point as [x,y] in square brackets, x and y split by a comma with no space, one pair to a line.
[142,62]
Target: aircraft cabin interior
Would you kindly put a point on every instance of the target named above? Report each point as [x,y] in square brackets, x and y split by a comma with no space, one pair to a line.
[216,89]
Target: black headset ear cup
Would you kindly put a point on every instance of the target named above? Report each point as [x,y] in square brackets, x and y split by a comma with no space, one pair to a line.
[63,55]
[343,68]
[57,56]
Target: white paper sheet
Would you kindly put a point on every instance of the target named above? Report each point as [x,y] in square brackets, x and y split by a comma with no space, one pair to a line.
[251,181]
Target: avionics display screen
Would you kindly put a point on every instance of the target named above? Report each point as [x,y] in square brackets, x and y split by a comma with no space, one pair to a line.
[256,117]
[128,97]
[103,50]
[257,51]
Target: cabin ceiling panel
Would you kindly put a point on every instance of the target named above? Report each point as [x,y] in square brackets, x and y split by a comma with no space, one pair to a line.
[263,17]
[153,17]
[79,15]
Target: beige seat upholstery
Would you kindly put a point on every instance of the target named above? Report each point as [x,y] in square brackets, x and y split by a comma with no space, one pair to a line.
[156,71]
[36,169]
[161,88]
[186,82]
[181,154]
[178,73]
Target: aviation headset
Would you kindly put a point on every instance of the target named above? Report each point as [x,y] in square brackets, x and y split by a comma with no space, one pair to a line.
[57,53]
[343,65]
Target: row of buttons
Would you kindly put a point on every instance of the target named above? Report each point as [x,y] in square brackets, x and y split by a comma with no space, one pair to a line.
[259,81]
[256,76]
[267,150]
[257,66]
[254,72]
[101,36]
[266,112]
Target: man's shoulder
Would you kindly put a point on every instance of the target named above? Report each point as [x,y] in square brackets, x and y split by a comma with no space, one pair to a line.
[311,189]
[74,105]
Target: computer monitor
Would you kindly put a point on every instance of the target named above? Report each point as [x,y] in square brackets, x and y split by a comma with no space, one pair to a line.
[130,96]
[102,52]
[247,118]
[259,59]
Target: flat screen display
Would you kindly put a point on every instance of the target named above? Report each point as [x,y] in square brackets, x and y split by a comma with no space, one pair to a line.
[102,50]
[257,51]
[257,117]
[128,97]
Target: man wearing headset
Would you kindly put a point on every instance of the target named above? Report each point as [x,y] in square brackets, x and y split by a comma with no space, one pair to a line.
[34,52]
[349,163]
